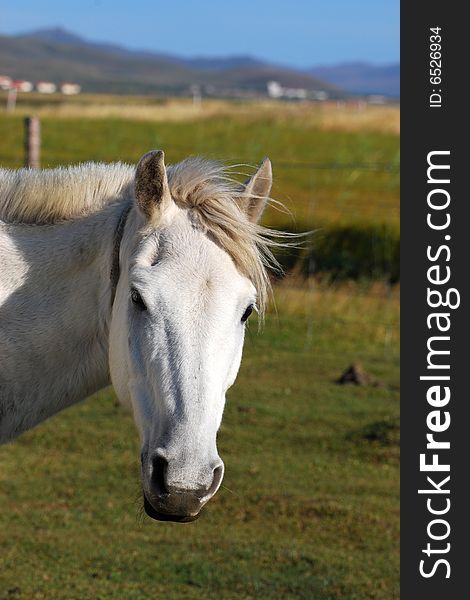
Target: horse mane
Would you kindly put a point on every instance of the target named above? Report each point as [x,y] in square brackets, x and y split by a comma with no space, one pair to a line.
[203,186]
[50,196]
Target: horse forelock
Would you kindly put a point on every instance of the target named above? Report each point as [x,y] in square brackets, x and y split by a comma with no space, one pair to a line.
[217,200]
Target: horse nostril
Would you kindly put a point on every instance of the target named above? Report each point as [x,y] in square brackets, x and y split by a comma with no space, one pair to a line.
[216,481]
[159,474]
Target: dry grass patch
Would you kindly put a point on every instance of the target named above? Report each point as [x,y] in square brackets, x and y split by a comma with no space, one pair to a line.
[330,116]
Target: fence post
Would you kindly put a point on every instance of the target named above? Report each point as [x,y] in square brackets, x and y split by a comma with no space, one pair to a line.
[11,99]
[32,142]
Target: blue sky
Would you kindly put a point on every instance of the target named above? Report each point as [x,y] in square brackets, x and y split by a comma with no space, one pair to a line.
[299,33]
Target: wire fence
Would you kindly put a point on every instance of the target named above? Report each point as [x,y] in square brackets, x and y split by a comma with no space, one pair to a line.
[339,166]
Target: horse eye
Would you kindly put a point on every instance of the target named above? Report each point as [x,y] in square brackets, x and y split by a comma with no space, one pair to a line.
[137,300]
[247,313]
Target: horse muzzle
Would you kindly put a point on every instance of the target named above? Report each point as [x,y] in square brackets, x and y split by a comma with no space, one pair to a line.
[168,500]
[158,515]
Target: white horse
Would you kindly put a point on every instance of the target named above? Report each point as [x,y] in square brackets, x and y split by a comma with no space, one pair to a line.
[143,277]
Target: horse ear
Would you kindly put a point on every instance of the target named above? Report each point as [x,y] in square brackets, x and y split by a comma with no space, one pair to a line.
[256,192]
[152,192]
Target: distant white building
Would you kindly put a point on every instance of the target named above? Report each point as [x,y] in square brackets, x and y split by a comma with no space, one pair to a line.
[276,90]
[46,87]
[5,82]
[295,93]
[70,89]
[21,85]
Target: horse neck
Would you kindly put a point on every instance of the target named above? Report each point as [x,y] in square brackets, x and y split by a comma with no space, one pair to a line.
[58,353]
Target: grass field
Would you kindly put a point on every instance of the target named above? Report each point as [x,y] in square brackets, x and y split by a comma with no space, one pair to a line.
[310,503]
[325,173]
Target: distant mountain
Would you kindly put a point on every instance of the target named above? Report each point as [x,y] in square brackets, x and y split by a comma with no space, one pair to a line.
[57,54]
[56,35]
[361,78]
[60,35]
[222,63]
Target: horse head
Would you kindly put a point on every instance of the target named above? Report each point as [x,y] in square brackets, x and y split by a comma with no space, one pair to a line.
[191,273]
